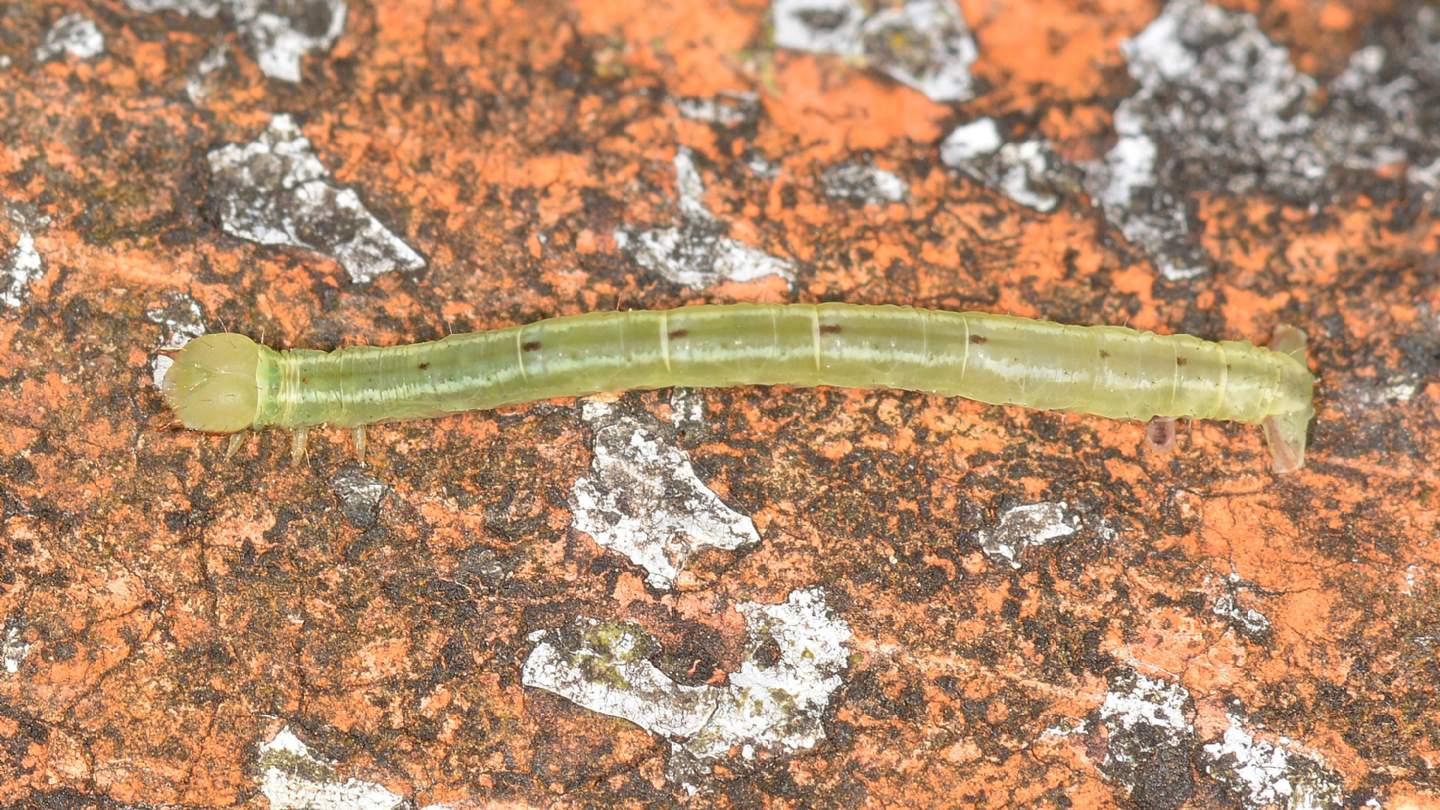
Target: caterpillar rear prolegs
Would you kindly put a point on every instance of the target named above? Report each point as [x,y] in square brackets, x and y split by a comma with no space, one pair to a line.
[1285,431]
[224,383]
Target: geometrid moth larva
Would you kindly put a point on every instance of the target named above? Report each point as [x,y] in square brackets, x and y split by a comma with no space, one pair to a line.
[226,382]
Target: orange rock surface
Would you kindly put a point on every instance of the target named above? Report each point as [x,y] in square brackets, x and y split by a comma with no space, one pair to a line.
[1140,630]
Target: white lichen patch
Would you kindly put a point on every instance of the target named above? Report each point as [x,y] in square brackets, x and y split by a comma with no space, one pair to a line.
[1386,390]
[1023,527]
[863,183]
[20,268]
[1026,171]
[1248,621]
[181,321]
[1149,737]
[698,254]
[1262,774]
[361,495]
[207,9]
[690,187]
[294,779]
[1425,176]
[687,407]
[819,26]
[1066,727]
[74,36]
[970,142]
[794,657]
[924,44]
[278,33]
[604,667]
[197,85]
[726,109]
[795,654]
[760,165]
[275,191]
[1219,104]
[1221,108]
[643,499]
[1385,105]
[698,257]
[1134,699]
[14,649]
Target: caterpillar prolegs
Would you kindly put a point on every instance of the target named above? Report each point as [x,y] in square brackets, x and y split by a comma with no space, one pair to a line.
[226,382]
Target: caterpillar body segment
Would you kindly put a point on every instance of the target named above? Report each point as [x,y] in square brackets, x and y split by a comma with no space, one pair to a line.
[225,382]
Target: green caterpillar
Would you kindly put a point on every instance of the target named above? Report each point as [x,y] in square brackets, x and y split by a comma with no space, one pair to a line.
[226,383]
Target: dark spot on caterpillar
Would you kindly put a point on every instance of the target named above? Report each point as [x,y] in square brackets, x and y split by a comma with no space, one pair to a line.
[424,366]
[978,339]
[304,380]
[1104,355]
[830,329]
[1180,361]
[678,333]
[531,346]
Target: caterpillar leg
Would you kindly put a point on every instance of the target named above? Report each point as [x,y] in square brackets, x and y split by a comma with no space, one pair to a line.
[298,441]
[357,438]
[1160,433]
[236,439]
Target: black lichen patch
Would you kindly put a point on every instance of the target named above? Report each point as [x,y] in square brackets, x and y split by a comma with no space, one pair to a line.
[1149,740]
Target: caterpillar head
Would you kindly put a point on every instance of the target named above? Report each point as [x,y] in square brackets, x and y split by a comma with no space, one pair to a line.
[212,386]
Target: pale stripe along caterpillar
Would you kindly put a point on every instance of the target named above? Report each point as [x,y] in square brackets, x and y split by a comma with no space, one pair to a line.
[226,382]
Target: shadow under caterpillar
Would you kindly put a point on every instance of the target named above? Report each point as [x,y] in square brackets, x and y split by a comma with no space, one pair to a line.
[225,383]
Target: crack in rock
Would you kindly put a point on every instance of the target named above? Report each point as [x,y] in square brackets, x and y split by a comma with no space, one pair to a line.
[643,499]
[275,191]
[795,654]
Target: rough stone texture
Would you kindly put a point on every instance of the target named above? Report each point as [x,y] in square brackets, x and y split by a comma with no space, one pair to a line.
[183,630]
